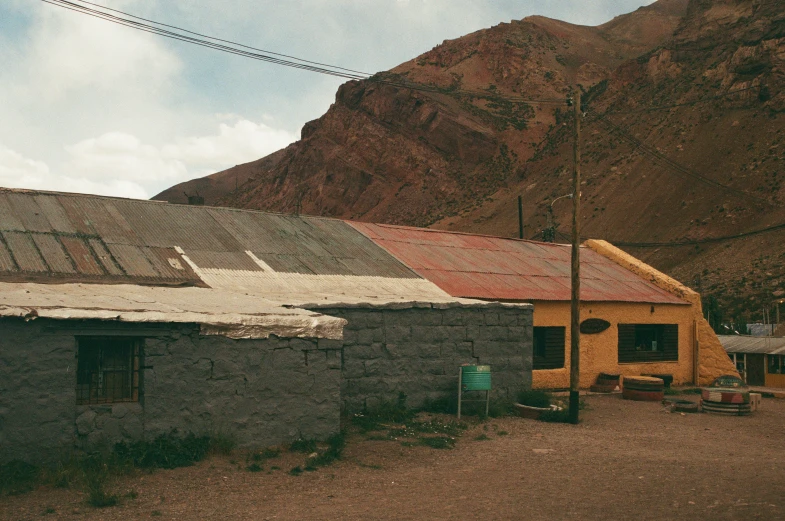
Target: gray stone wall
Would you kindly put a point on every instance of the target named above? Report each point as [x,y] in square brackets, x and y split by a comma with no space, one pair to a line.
[258,392]
[417,349]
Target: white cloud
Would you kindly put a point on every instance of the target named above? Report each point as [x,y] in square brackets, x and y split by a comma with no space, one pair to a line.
[118,155]
[17,171]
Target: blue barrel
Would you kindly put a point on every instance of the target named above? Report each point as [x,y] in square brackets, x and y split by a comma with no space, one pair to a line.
[476,377]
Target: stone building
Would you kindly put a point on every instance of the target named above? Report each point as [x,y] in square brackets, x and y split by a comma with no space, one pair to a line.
[634,319]
[123,319]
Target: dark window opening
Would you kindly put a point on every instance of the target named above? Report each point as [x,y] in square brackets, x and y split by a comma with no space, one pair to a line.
[648,343]
[776,364]
[107,369]
[548,347]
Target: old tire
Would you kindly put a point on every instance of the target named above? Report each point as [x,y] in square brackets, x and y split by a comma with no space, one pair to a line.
[642,396]
[726,408]
[720,395]
[667,379]
[643,383]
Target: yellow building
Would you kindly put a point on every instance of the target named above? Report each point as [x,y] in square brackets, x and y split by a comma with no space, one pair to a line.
[634,319]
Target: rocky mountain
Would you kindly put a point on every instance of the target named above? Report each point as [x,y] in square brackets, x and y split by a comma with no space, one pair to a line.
[682,141]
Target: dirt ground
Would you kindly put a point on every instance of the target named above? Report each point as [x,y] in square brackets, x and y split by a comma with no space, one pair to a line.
[626,460]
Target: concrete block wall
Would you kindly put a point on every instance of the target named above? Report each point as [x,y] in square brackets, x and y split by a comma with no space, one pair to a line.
[417,349]
[259,392]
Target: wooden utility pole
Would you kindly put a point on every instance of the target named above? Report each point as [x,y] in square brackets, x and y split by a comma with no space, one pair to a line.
[520,217]
[575,298]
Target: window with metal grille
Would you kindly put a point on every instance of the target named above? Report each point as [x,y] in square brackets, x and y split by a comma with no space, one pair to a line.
[107,369]
[548,347]
[648,343]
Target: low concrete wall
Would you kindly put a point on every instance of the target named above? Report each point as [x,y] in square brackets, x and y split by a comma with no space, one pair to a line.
[259,392]
[417,349]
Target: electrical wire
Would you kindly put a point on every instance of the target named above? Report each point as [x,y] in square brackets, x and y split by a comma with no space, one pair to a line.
[176,33]
[664,160]
[685,104]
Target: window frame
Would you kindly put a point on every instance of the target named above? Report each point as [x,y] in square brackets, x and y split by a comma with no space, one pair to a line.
[100,359]
[632,349]
[553,358]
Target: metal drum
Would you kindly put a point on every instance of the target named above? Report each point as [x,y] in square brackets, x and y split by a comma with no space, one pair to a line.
[476,378]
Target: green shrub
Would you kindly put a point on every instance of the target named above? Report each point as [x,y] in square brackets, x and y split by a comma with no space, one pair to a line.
[18,477]
[534,398]
[167,451]
[386,412]
[303,445]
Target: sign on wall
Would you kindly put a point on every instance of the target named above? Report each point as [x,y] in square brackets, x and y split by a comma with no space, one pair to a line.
[592,326]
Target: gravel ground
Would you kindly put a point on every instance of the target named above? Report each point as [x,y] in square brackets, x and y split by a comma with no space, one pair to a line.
[626,460]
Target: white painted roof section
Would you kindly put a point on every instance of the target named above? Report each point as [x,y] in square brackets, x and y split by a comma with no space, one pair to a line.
[218,311]
[771,345]
[301,289]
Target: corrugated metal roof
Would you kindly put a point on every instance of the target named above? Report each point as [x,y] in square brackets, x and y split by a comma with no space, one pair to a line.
[60,238]
[494,268]
[771,345]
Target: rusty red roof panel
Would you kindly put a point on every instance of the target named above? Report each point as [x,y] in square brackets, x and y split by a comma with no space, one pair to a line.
[496,268]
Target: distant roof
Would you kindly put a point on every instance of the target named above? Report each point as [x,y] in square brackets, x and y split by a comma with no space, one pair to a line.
[494,268]
[49,237]
[771,345]
[217,311]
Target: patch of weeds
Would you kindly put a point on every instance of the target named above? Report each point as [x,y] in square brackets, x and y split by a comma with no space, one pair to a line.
[221,443]
[254,467]
[48,510]
[502,433]
[481,437]
[133,494]
[369,466]
[18,477]
[534,398]
[303,445]
[275,467]
[96,471]
[438,442]
[555,416]
[296,471]
[167,451]
[335,445]
[408,444]
[385,413]
[156,513]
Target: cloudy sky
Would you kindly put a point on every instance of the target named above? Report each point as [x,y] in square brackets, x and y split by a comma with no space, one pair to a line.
[90,106]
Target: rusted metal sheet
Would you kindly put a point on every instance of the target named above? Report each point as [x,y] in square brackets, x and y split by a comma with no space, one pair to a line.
[232,260]
[8,218]
[53,253]
[80,253]
[105,258]
[133,260]
[27,211]
[753,344]
[55,214]
[494,268]
[24,251]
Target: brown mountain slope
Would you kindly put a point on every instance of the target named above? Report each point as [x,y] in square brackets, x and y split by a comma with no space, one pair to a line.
[390,154]
[219,185]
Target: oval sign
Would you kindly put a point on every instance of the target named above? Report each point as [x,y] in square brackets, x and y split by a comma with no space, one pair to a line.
[592,326]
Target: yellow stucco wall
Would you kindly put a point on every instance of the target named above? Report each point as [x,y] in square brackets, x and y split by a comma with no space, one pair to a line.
[599,352]
[775,380]
[713,361]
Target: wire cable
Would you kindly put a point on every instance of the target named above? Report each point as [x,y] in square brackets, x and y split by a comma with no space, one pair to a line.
[132,21]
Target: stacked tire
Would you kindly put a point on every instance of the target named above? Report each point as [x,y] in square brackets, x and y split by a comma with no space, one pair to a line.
[730,401]
[643,389]
[606,383]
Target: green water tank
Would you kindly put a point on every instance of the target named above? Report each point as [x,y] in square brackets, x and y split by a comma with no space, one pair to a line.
[476,377]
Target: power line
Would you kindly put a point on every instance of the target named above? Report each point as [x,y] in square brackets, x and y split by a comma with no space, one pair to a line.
[664,160]
[228,46]
[706,240]
[685,104]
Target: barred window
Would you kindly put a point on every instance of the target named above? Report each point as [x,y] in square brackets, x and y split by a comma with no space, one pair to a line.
[548,347]
[107,369]
[648,343]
